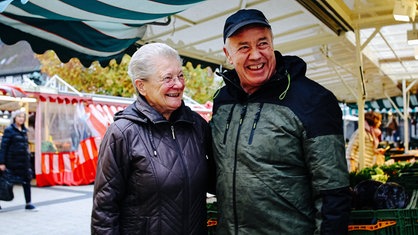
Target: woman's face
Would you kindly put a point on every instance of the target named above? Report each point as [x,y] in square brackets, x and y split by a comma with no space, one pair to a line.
[164,89]
[20,119]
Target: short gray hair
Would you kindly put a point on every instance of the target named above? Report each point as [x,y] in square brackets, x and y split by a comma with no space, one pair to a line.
[16,113]
[142,64]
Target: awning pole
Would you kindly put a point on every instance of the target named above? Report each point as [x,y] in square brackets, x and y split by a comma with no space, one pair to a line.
[405,115]
[360,98]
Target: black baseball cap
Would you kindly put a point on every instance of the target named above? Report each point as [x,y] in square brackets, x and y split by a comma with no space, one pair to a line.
[243,18]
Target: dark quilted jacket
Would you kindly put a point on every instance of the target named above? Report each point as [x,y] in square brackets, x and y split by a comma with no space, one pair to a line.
[14,150]
[152,173]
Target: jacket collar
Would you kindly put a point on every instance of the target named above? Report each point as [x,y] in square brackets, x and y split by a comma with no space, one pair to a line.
[15,127]
[141,111]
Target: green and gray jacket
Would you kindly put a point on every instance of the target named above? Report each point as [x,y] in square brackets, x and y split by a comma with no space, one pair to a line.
[280,156]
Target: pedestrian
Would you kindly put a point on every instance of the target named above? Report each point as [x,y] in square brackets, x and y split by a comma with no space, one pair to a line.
[15,155]
[152,167]
[373,155]
[278,140]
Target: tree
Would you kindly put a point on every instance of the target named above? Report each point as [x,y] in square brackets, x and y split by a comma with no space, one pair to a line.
[111,80]
[200,83]
[114,80]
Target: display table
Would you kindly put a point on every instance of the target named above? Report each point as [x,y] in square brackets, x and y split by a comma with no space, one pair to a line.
[403,157]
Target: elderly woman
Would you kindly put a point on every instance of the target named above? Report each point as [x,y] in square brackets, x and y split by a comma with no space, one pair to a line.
[152,170]
[15,156]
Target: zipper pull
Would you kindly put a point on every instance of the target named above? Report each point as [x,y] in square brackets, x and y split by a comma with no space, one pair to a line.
[243,112]
[228,121]
[172,132]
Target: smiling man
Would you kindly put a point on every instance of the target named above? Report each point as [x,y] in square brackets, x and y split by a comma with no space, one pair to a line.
[278,140]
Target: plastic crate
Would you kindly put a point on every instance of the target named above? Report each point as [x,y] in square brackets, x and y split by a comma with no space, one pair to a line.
[393,222]
[407,177]
[385,222]
[212,217]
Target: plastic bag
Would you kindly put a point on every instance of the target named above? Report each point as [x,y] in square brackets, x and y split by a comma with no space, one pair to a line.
[391,196]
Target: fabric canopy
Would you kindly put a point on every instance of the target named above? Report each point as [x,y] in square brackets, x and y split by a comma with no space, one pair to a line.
[389,104]
[99,30]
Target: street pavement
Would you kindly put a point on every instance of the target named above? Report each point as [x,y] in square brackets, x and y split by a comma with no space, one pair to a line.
[62,210]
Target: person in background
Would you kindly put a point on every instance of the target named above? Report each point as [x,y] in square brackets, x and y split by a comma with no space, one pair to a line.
[152,167]
[392,130]
[277,139]
[372,154]
[15,155]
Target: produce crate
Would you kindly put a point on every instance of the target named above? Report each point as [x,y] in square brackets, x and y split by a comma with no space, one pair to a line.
[388,221]
[212,217]
[407,178]
[384,222]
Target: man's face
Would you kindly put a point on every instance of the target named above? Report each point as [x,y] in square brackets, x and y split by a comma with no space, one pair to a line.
[251,52]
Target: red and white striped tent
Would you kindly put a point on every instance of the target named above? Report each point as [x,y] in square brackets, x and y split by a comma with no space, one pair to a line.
[68,131]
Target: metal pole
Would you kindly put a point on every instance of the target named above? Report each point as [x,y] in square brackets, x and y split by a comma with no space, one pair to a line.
[360,98]
[405,115]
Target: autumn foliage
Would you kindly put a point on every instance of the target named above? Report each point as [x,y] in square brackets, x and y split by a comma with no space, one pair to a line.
[114,80]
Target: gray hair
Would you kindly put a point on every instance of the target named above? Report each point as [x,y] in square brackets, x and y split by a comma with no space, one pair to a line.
[16,113]
[143,63]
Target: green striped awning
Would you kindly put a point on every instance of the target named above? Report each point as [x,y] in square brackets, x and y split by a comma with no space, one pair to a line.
[86,29]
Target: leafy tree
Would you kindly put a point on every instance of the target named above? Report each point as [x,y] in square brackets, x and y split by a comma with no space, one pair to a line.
[114,80]
[111,80]
[200,83]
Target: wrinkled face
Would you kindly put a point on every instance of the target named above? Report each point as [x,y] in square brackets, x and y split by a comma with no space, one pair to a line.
[164,89]
[20,119]
[251,53]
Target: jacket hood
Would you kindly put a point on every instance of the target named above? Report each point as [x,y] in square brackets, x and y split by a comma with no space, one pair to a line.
[292,65]
[141,111]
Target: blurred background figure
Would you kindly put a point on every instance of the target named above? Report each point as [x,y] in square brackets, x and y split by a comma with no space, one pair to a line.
[15,155]
[372,154]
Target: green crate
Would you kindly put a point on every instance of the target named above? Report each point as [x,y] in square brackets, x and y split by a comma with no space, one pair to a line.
[384,222]
[212,217]
[407,177]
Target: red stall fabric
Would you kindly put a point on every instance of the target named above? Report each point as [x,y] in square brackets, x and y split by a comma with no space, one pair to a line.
[69,168]
[101,116]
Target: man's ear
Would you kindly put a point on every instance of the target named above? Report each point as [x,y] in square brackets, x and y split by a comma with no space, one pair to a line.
[139,84]
[227,55]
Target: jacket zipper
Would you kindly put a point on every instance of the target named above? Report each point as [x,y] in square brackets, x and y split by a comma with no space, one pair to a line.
[186,184]
[234,194]
[257,117]
[228,121]
[172,132]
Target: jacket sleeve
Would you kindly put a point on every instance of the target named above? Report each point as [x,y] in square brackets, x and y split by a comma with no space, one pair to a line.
[330,181]
[325,158]
[109,185]
[211,164]
[336,205]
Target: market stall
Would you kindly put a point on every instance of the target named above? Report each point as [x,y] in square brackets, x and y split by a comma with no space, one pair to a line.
[68,131]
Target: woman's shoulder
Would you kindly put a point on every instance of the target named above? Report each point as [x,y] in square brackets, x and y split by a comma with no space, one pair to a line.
[9,129]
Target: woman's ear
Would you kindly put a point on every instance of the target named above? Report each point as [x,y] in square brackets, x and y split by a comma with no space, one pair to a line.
[139,84]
